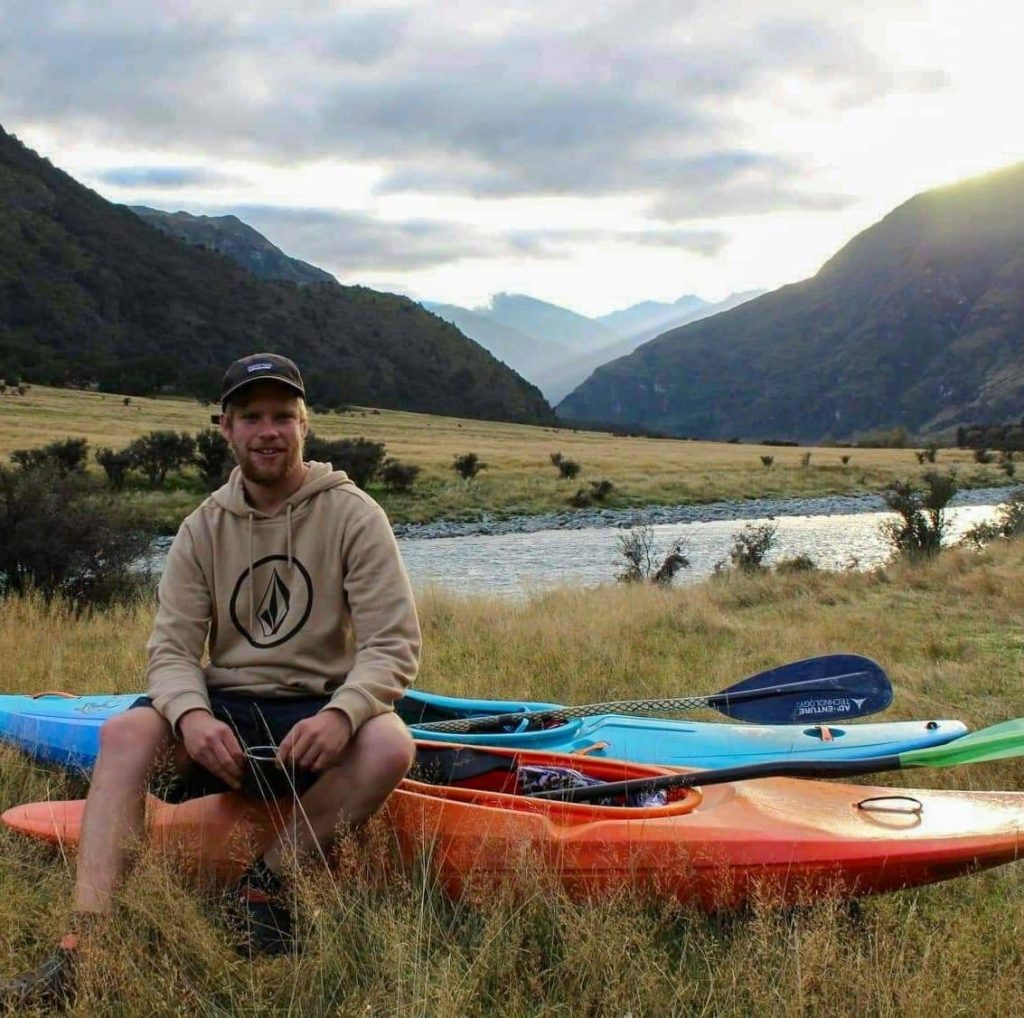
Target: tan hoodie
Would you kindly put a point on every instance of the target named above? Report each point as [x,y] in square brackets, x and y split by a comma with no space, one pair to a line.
[330,611]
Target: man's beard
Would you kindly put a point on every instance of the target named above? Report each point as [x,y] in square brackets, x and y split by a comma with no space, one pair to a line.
[267,474]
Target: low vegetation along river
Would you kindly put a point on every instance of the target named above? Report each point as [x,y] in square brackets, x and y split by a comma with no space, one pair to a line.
[517,556]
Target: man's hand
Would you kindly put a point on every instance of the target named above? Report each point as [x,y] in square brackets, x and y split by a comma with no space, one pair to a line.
[213,744]
[316,743]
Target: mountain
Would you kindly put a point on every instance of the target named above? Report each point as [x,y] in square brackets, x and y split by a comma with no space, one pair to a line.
[228,235]
[559,380]
[652,314]
[521,352]
[917,322]
[549,322]
[92,295]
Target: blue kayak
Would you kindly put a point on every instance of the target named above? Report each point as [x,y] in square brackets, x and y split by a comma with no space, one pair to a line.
[63,729]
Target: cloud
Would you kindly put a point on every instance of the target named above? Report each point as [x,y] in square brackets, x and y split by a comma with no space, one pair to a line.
[543,97]
[165,177]
[350,243]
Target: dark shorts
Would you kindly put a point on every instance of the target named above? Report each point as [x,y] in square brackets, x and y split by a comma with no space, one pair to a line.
[258,722]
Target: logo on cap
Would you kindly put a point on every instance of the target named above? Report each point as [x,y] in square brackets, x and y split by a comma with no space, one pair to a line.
[264,366]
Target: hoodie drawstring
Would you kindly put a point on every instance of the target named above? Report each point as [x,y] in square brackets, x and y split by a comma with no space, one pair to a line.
[252,582]
[288,527]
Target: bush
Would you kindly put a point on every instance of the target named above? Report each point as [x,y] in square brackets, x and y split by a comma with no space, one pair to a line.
[637,549]
[159,452]
[116,466]
[845,459]
[398,477]
[805,460]
[750,547]
[66,456]
[213,457]
[982,456]
[55,539]
[568,469]
[767,461]
[1008,523]
[581,500]
[921,522]
[556,458]
[360,458]
[801,563]
[600,490]
[468,465]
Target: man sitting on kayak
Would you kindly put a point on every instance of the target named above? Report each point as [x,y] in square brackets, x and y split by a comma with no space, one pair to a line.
[290,579]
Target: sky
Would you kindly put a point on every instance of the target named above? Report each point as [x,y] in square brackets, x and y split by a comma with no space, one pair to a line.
[590,154]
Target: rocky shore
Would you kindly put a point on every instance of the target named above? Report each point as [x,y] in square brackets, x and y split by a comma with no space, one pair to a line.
[750,509]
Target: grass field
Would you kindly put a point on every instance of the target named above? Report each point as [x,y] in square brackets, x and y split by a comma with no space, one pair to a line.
[948,632]
[519,478]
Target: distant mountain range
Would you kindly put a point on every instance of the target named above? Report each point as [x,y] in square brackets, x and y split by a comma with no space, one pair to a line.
[918,323]
[557,348]
[92,295]
[228,235]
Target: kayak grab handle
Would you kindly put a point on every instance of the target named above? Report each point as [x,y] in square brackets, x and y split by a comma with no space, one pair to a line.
[59,693]
[889,804]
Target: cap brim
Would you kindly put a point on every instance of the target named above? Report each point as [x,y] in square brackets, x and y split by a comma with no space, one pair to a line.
[297,389]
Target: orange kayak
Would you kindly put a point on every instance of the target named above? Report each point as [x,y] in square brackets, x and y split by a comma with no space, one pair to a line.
[778,840]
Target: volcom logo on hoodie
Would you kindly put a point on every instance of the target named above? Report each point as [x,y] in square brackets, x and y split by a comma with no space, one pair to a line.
[270,604]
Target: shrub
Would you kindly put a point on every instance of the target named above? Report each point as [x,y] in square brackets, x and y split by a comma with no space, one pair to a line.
[982,456]
[398,477]
[116,466]
[751,545]
[805,460]
[57,540]
[637,549]
[468,465]
[360,458]
[568,469]
[767,461]
[801,563]
[213,457]
[159,452]
[581,500]
[844,459]
[1008,523]
[556,458]
[921,523]
[65,456]
[600,490]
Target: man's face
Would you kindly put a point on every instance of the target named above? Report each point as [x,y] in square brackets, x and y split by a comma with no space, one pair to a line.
[266,432]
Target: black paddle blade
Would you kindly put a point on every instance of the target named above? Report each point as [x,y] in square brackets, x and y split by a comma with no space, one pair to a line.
[834,687]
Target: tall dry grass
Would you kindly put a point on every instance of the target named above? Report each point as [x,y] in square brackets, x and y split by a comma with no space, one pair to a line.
[948,633]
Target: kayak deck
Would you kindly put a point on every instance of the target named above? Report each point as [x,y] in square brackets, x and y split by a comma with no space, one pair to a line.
[777,841]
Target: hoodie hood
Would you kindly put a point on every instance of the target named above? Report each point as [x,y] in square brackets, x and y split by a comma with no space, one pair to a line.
[320,477]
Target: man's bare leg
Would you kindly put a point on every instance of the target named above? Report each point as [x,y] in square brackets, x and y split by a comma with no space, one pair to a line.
[376,760]
[130,745]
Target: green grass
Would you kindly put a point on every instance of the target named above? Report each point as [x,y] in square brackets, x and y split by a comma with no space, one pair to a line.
[378,942]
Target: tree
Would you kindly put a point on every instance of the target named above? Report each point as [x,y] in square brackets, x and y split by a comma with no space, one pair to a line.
[750,547]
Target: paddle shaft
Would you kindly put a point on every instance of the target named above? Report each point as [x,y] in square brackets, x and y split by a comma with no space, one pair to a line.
[827,686]
[746,772]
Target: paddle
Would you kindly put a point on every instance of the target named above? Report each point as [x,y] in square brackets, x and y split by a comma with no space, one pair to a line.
[820,689]
[998,742]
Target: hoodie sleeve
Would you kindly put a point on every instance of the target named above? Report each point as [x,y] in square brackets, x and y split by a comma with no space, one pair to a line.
[383,615]
[175,678]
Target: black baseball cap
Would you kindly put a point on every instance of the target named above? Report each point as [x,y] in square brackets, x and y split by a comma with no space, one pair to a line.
[260,367]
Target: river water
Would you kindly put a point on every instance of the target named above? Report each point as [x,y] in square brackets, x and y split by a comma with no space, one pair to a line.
[515,564]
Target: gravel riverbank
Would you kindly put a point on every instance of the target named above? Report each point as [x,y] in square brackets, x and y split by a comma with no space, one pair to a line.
[750,509]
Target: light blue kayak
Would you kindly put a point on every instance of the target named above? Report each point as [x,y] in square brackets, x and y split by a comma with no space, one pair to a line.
[62,729]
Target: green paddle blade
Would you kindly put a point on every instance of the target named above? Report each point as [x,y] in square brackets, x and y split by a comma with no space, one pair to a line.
[998,742]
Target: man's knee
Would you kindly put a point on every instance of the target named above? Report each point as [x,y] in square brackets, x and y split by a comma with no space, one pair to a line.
[140,731]
[389,745]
